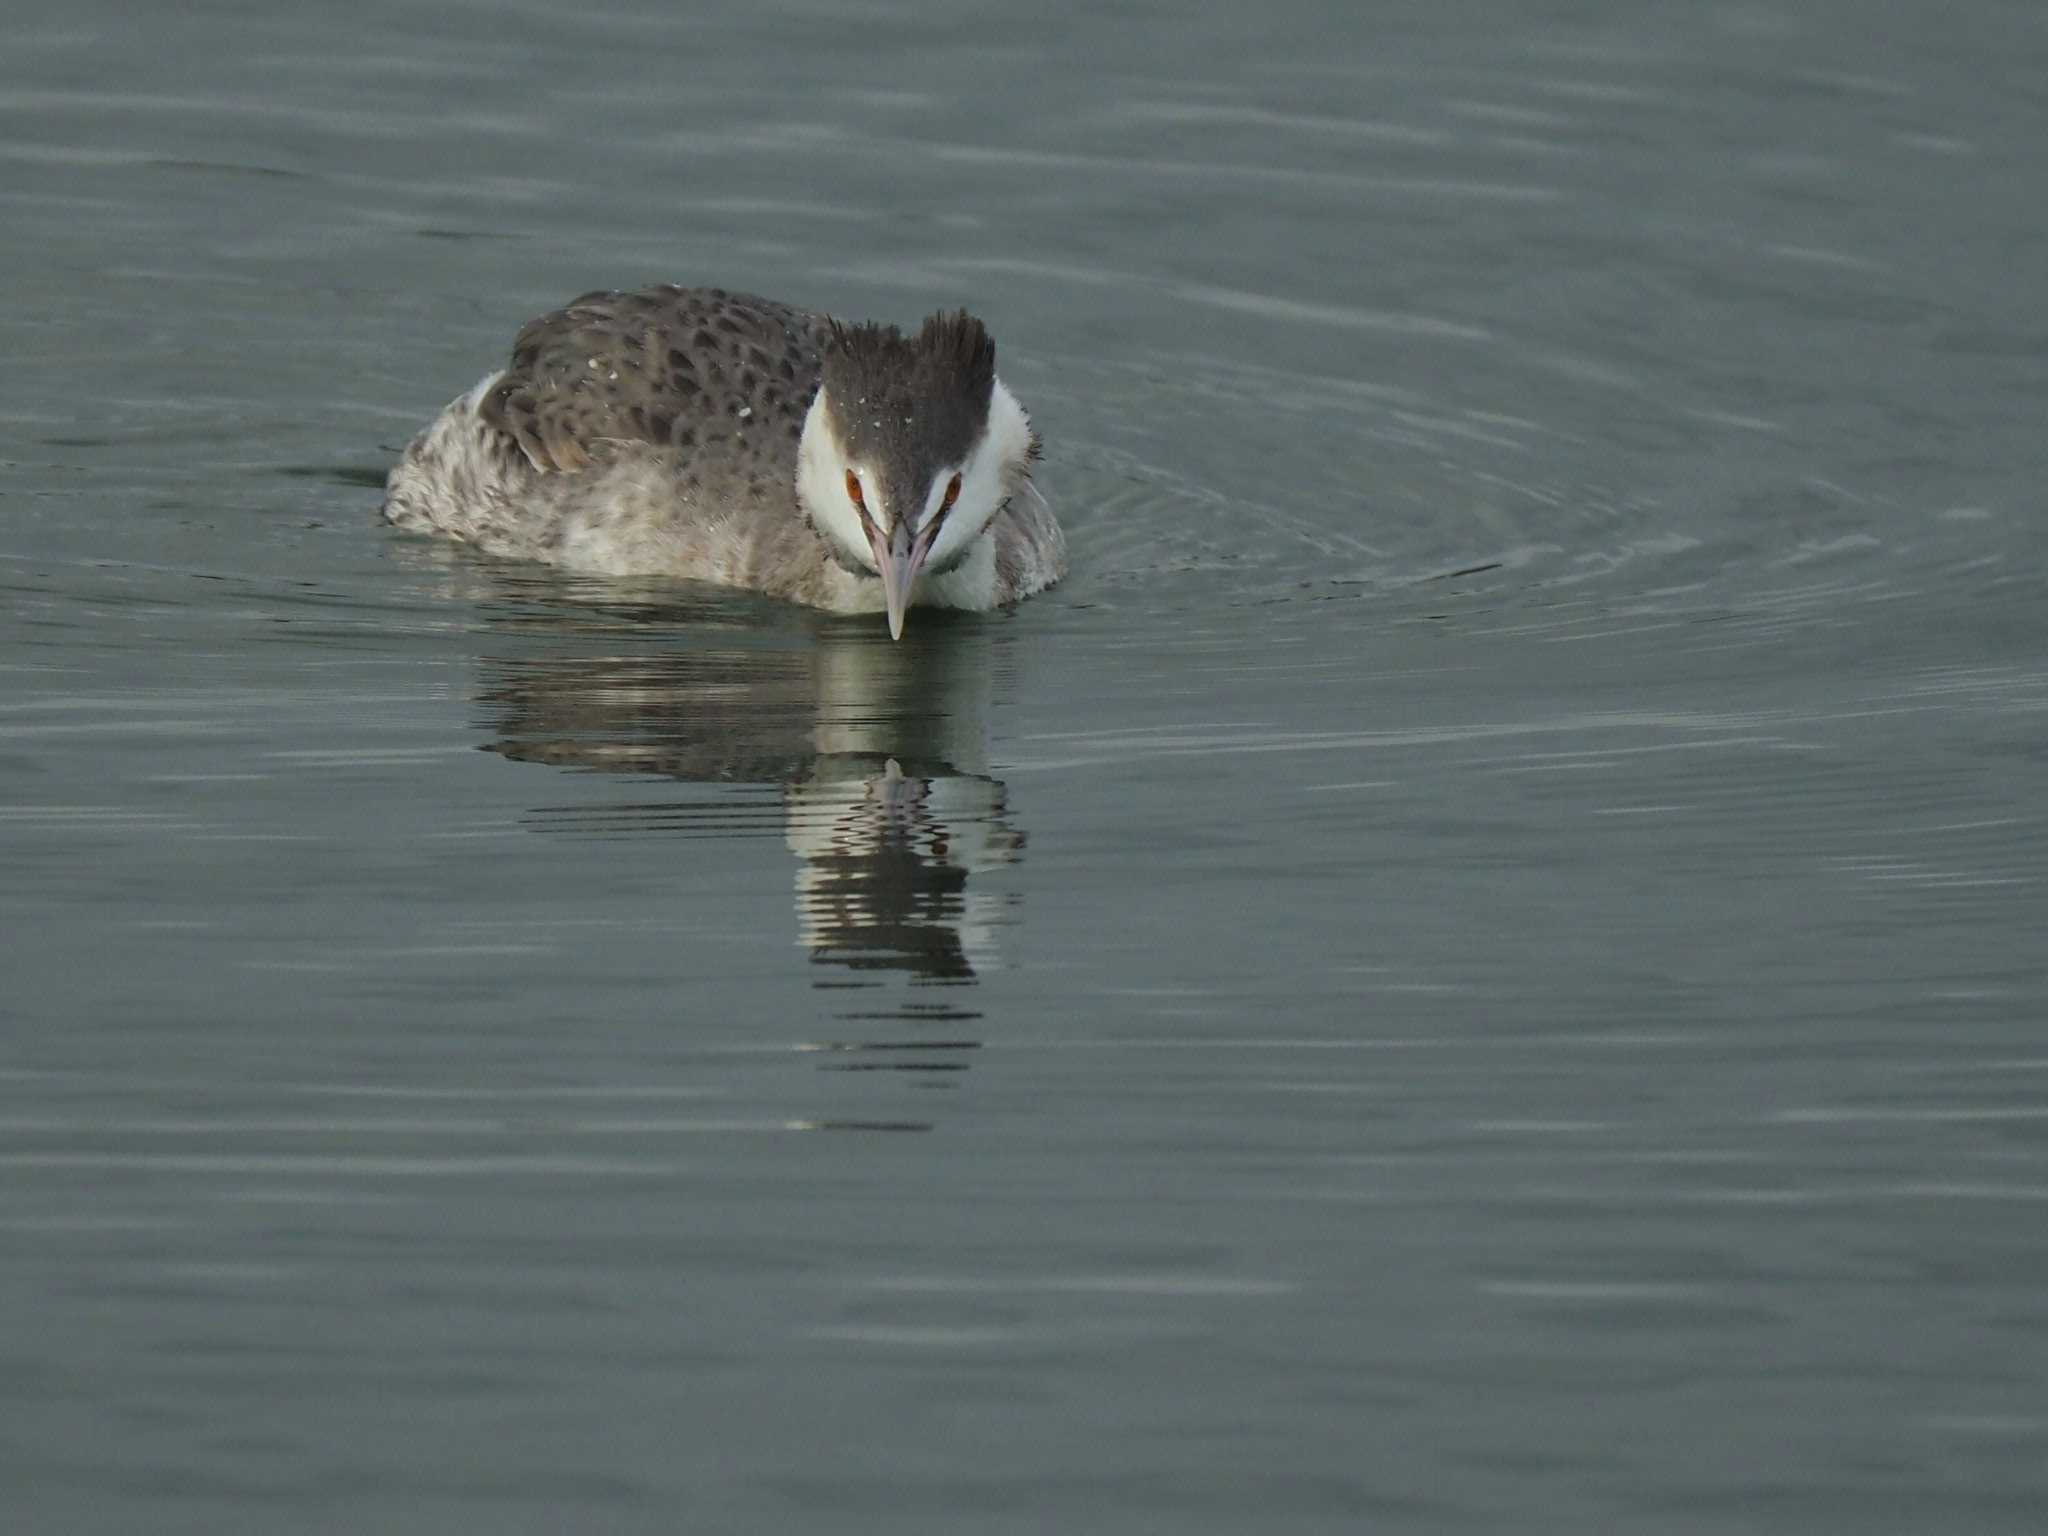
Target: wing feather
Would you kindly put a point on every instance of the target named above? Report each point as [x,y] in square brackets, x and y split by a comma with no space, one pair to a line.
[655,366]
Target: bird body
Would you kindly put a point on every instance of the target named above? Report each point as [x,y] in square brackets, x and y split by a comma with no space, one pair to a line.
[721,437]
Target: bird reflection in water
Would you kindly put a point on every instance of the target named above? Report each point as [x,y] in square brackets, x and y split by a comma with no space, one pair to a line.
[869,757]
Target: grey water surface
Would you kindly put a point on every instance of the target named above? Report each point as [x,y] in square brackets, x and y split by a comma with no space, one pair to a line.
[1480,965]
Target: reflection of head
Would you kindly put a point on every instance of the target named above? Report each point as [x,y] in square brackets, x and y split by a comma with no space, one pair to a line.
[885,860]
[875,747]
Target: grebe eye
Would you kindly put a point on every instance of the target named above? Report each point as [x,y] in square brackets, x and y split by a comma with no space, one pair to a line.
[853,490]
[952,495]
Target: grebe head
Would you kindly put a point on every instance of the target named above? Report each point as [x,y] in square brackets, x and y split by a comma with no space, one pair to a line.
[910,449]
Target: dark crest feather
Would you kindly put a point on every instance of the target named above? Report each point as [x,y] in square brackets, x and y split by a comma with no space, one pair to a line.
[908,404]
[961,341]
[949,350]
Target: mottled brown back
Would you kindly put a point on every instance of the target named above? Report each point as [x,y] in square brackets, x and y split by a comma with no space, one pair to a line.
[723,378]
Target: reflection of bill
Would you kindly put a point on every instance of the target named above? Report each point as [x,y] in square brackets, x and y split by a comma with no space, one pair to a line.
[879,749]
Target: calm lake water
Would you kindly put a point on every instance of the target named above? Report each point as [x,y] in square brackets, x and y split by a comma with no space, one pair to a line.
[1479,966]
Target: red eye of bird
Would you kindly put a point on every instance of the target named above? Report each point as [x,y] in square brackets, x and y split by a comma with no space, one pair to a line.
[853,490]
[952,495]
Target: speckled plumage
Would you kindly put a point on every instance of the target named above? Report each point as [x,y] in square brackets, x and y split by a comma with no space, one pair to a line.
[683,368]
[658,432]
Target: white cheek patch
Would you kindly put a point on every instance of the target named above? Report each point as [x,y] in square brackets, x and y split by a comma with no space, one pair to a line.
[873,500]
[821,470]
[936,501]
[988,478]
